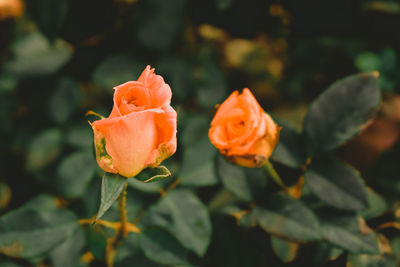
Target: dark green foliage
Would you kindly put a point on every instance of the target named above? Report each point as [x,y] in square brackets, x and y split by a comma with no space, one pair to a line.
[111,187]
[341,112]
[337,184]
[338,152]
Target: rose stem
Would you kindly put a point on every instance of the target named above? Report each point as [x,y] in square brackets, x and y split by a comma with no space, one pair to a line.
[274,175]
[123,214]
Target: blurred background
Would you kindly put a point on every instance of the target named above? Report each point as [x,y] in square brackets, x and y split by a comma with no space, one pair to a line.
[60,59]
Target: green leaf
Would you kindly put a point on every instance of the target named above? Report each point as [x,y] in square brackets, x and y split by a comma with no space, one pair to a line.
[80,136]
[182,214]
[111,187]
[286,251]
[147,187]
[41,203]
[159,23]
[29,233]
[324,252]
[343,230]
[367,61]
[64,100]
[337,184]
[155,174]
[195,127]
[43,149]
[34,56]
[290,149]
[74,174]
[341,112]
[178,74]
[135,204]
[49,15]
[197,168]
[97,241]
[289,218]
[68,253]
[395,244]
[212,84]
[366,260]
[129,253]
[117,69]
[9,264]
[376,205]
[245,183]
[159,246]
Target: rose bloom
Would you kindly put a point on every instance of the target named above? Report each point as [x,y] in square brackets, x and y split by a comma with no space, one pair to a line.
[11,9]
[141,129]
[242,131]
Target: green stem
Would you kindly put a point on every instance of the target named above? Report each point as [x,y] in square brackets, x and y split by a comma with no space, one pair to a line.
[123,213]
[269,168]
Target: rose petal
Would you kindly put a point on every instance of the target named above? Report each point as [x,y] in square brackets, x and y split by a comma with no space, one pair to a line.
[166,139]
[129,140]
[161,93]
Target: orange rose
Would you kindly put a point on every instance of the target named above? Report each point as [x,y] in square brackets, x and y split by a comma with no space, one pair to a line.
[141,129]
[242,132]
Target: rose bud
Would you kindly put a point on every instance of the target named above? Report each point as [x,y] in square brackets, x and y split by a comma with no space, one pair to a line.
[242,131]
[141,129]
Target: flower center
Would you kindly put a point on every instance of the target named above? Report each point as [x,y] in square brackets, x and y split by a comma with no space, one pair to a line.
[135,99]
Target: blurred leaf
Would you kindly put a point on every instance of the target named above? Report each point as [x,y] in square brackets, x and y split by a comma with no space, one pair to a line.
[212,84]
[324,252]
[286,251]
[34,56]
[223,4]
[365,260]
[395,244]
[8,82]
[160,23]
[43,149]
[337,184]
[290,149]
[245,183]
[20,231]
[7,104]
[344,231]
[197,167]
[129,254]
[182,214]
[195,127]
[97,241]
[390,7]
[341,112]
[376,205]
[80,136]
[68,253]
[111,187]
[289,218]
[155,174]
[5,195]
[41,203]
[64,100]
[368,61]
[389,59]
[159,246]
[49,15]
[147,187]
[177,73]
[9,264]
[117,69]
[74,174]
